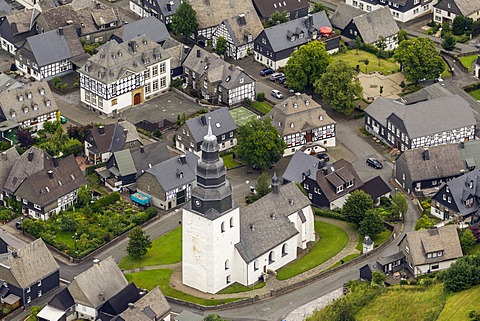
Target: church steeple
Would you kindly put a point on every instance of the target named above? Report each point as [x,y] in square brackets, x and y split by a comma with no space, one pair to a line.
[212,195]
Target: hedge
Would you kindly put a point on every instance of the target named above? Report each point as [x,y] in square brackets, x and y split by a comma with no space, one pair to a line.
[329,214]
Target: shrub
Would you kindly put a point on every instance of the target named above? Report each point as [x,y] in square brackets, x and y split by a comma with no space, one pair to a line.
[140,218]
[151,212]
[261,97]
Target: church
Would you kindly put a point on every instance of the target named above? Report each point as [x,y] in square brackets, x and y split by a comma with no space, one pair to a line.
[223,244]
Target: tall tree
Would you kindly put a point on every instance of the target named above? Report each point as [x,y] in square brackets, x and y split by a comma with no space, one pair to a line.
[419,59]
[139,243]
[221,46]
[399,204]
[467,240]
[184,21]
[381,43]
[259,144]
[449,42]
[401,36]
[339,86]
[371,224]
[277,18]
[306,65]
[356,205]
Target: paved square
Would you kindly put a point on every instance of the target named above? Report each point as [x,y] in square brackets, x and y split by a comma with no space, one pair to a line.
[242,115]
[166,106]
[371,85]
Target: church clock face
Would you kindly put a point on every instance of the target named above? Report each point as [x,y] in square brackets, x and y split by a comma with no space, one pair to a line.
[198,203]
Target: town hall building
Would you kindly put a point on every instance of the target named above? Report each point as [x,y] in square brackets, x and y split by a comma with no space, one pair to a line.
[223,244]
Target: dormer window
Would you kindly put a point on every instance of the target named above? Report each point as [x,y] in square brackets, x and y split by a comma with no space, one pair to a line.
[42,91]
[13,114]
[339,188]
[469,202]
[350,183]
[447,189]
[29,95]
[292,38]
[20,98]
[25,110]
[470,184]
[300,35]
[35,107]
[48,103]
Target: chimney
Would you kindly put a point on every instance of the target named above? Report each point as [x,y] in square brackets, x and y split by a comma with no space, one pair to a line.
[15,254]
[131,305]
[55,162]
[101,130]
[273,216]
[60,31]
[198,53]
[324,170]
[169,7]
[96,261]
[310,19]
[125,131]
[30,156]
[101,296]
[462,145]
[142,150]
[50,174]
[425,154]
[182,159]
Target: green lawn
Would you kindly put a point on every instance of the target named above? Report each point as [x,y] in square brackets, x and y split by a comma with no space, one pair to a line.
[474,249]
[386,66]
[332,240]
[262,107]
[229,162]
[346,259]
[459,304]
[475,94]
[405,303]
[167,249]
[237,288]
[150,279]
[377,240]
[467,61]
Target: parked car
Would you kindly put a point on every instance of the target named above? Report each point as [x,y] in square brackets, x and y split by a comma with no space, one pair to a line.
[63,119]
[18,224]
[266,71]
[323,156]
[375,163]
[276,76]
[277,94]
[282,80]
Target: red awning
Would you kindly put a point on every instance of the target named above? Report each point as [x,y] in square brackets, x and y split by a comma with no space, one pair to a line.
[326,30]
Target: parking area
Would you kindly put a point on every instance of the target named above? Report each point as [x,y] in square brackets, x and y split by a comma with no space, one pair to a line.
[6,60]
[372,82]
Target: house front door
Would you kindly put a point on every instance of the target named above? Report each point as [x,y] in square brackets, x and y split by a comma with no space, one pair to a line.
[309,136]
[136,99]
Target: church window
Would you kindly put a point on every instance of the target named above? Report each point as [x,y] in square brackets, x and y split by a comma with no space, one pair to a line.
[284,249]
[231,222]
[255,265]
[271,257]
[223,227]
[227,265]
[229,279]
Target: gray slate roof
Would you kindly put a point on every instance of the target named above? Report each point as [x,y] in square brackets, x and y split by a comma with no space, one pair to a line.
[51,46]
[198,126]
[427,117]
[344,14]
[7,160]
[5,8]
[152,306]
[20,21]
[298,113]
[29,163]
[301,164]
[277,35]
[240,27]
[471,151]
[151,27]
[40,189]
[211,13]
[215,69]
[167,172]
[14,102]
[267,7]
[149,155]
[376,23]
[460,191]
[31,264]
[7,82]
[466,7]
[114,61]
[259,232]
[444,161]
[176,50]
[115,137]
[444,239]
[97,284]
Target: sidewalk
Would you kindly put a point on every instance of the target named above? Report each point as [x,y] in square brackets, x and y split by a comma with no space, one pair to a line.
[272,283]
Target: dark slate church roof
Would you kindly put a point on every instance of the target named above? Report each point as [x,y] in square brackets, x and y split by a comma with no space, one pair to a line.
[119,302]
[265,224]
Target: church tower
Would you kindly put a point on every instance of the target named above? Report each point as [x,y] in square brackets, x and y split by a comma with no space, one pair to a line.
[210,226]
